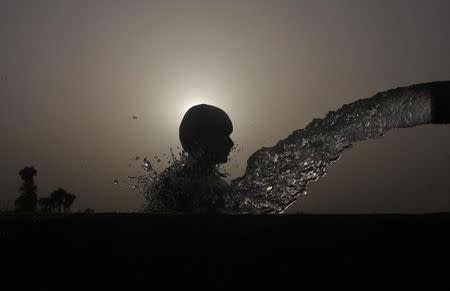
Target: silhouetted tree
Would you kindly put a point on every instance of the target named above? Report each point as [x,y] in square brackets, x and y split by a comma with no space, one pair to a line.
[47,204]
[68,201]
[58,198]
[62,198]
[27,201]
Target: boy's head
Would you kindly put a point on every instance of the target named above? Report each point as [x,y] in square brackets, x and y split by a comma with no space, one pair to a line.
[205,133]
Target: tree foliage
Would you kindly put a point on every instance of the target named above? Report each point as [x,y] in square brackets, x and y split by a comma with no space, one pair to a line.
[62,199]
[27,201]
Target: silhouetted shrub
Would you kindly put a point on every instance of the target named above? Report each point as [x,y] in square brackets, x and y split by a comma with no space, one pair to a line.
[62,199]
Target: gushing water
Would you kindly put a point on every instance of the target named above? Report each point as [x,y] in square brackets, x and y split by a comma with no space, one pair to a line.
[276,176]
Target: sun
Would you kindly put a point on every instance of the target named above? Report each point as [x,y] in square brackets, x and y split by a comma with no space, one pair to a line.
[185,101]
[192,102]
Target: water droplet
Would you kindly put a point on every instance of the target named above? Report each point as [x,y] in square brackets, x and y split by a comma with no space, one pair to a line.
[116,181]
[269,188]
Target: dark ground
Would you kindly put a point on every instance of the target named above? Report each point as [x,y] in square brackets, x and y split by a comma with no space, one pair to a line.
[128,251]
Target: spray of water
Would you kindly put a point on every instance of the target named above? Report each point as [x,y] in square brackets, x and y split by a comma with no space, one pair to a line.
[276,176]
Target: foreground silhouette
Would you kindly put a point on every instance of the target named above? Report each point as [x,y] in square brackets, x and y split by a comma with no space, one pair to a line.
[131,251]
[276,176]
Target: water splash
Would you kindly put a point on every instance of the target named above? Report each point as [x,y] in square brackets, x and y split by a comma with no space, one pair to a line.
[153,182]
[276,176]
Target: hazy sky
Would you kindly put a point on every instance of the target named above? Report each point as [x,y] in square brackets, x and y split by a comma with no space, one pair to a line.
[75,72]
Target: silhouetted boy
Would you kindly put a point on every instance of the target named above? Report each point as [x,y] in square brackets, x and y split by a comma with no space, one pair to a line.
[196,185]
